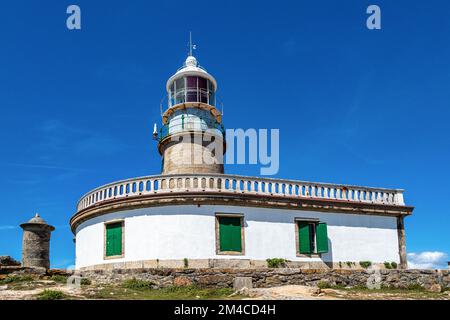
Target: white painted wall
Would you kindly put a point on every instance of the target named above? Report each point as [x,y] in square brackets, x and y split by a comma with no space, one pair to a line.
[188,231]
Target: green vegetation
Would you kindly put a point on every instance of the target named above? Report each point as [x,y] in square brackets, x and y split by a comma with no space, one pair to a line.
[85,282]
[323,285]
[59,278]
[412,292]
[51,295]
[365,264]
[137,284]
[169,293]
[350,264]
[276,262]
[186,262]
[15,279]
[415,287]
[390,265]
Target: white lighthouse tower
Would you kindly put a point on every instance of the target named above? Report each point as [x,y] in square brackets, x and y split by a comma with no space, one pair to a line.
[192,136]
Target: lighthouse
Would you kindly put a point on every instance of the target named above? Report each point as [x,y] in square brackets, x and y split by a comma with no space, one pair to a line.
[192,136]
[195,213]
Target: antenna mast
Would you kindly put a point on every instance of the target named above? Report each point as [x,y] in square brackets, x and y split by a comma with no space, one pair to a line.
[190,43]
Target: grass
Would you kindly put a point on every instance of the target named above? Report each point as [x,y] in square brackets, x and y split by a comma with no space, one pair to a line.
[15,279]
[19,282]
[323,285]
[137,284]
[138,291]
[48,294]
[411,292]
[59,278]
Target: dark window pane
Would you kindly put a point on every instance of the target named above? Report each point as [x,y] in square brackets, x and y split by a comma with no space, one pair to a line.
[192,95]
[202,83]
[191,82]
[312,233]
[203,97]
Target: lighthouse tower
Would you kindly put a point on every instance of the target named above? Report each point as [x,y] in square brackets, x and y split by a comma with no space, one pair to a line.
[191,139]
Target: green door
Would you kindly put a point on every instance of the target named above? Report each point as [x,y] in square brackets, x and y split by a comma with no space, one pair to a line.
[230,234]
[114,239]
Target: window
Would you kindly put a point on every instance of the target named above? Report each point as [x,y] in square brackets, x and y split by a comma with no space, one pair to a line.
[229,234]
[202,85]
[312,237]
[114,239]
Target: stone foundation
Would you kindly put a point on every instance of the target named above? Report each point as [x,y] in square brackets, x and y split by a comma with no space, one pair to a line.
[265,277]
[224,264]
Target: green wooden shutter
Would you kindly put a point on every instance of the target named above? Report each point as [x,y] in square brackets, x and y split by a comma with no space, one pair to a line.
[114,239]
[304,237]
[322,238]
[230,234]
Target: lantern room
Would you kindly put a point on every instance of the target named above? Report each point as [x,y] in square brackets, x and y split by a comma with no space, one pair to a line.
[191,83]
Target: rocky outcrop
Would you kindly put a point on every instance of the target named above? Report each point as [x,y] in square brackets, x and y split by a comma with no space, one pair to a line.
[7,261]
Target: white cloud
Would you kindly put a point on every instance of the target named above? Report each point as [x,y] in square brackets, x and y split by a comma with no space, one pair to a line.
[427,260]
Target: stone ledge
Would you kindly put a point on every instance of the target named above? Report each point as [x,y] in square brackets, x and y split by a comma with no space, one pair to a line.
[207,264]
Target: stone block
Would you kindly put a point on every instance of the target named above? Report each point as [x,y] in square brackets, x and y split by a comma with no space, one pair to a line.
[258,264]
[434,288]
[148,264]
[171,264]
[182,281]
[219,280]
[198,263]
[242,282]
[232,263]
[133,265]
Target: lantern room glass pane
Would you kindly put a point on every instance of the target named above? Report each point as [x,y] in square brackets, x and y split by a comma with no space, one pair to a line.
[191,82]
[202,83]
[179,83]
[212,98]
[211,86]
[203,96]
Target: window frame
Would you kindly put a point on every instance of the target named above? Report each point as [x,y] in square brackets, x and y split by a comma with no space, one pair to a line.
[315,222]
[122,222]
[217,231]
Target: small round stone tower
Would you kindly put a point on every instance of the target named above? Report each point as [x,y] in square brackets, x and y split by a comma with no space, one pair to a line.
[192,137]
[36,243]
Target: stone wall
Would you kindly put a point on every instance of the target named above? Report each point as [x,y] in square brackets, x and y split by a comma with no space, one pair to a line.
[264,277]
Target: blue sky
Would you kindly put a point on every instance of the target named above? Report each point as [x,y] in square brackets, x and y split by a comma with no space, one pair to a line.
[353,106]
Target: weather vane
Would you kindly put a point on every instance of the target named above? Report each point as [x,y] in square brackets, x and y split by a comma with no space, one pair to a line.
[191,46]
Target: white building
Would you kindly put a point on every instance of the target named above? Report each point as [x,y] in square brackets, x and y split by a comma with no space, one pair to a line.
[193,214]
